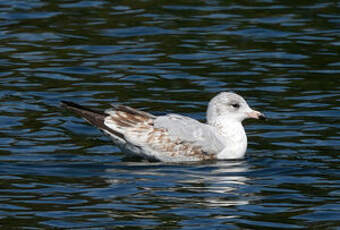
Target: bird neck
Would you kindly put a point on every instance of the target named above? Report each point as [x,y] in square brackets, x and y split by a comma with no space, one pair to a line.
[234,137]
[230,128]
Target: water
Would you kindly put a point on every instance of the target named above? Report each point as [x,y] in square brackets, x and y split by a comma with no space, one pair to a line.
[58,172]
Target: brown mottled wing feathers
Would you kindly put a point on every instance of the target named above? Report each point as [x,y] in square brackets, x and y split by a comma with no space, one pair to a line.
[160,140]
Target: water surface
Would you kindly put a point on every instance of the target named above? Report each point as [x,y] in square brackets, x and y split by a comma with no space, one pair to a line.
[56,171]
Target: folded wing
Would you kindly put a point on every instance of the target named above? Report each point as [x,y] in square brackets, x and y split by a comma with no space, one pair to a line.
[191,131]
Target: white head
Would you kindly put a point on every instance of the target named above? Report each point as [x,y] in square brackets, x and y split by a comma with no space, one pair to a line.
[231,105]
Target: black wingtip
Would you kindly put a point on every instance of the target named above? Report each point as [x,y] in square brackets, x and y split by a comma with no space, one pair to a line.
[263,117]
[71,104]
[94,117]
[74,106]
[66,103]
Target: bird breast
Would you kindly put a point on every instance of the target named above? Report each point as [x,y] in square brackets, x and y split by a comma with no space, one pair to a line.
[234,137]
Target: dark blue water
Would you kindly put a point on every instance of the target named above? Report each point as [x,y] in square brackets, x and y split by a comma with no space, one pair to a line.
[56,171]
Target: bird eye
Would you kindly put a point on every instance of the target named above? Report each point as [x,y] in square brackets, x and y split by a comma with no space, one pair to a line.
[235,105]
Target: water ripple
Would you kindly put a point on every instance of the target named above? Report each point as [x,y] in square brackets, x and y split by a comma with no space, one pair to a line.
[56,171]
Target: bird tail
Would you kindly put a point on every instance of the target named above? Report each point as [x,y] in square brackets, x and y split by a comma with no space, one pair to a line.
[96,118]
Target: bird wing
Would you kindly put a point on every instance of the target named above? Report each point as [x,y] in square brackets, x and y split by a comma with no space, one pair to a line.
[191,131]
[166,138]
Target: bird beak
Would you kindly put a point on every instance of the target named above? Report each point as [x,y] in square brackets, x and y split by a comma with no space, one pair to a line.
[256,115]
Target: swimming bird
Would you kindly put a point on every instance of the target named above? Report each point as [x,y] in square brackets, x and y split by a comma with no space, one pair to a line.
[173,137]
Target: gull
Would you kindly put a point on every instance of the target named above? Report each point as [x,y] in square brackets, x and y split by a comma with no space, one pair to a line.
[174,137]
